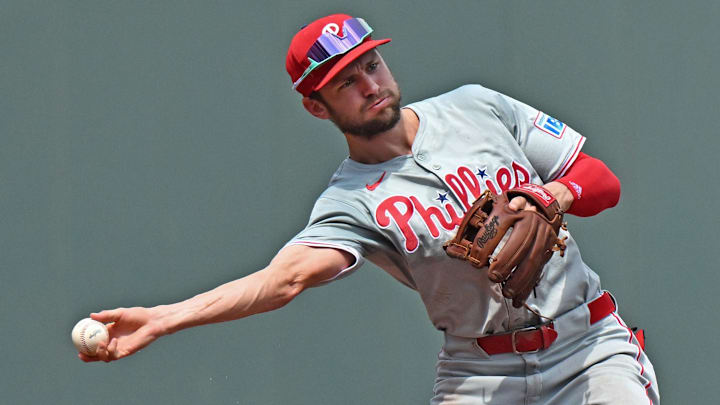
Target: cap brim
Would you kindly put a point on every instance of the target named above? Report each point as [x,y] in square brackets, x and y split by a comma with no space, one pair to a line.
[348,58]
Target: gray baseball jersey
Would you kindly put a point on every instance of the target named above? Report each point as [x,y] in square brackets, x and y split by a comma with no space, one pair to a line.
[398,213]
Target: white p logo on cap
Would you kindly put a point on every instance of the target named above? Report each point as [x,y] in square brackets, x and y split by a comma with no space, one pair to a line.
[331,28]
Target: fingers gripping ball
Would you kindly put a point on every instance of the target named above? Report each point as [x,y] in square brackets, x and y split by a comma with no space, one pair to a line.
[87,334]
[531,242]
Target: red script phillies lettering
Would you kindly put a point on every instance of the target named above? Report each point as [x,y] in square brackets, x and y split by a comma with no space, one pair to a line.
[466,186]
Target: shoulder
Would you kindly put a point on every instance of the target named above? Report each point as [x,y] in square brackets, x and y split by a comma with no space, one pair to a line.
[345,192]
[466,96]
[469,92]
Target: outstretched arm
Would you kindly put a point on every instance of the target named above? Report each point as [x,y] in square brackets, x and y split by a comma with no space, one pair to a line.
[293,269]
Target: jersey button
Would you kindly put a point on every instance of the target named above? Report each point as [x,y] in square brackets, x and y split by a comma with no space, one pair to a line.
[436,166]
[421,156]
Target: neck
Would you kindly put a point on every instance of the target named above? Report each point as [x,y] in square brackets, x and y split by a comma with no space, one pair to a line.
[387,145]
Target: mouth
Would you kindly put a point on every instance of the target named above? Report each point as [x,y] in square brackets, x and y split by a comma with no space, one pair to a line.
[380,103]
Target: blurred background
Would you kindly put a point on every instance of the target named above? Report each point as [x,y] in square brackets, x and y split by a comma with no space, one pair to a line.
[150,151]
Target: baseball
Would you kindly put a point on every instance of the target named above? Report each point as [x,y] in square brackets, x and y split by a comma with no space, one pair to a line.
[87,334]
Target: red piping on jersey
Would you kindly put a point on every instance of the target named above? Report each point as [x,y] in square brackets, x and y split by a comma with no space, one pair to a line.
[572,157]
[637,358]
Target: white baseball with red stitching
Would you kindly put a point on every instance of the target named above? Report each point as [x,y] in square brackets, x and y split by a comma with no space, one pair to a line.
[87,334]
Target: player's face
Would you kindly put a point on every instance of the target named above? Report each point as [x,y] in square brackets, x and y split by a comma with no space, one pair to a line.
[363,99]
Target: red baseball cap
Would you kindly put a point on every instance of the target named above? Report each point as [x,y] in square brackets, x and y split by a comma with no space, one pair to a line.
[324,47]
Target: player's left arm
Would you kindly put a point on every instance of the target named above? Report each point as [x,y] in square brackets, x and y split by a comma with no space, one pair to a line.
[583,185]
[587,188]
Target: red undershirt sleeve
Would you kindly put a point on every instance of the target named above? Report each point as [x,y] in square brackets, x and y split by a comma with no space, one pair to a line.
[593,185]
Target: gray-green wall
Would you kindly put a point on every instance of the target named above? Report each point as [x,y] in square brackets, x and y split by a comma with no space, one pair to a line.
[152,150]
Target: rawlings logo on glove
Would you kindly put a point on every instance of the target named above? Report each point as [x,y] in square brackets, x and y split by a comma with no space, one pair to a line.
[533,239]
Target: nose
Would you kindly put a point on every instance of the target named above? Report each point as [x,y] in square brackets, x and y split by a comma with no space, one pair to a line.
[369,86]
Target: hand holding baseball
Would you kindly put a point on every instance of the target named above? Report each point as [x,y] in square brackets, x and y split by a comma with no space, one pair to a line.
[129,330]
[87,335]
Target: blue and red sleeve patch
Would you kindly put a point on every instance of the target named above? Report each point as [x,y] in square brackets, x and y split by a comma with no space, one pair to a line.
[550,125]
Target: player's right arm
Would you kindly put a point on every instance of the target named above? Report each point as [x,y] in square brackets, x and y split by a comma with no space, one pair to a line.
[294,269]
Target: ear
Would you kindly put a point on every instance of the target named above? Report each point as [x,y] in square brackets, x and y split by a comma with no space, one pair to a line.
[316,108]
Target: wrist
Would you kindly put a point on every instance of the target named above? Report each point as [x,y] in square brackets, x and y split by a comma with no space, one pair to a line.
[163,316]
[562,194]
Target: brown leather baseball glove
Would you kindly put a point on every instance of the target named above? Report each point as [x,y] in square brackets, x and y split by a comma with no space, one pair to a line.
[532,241]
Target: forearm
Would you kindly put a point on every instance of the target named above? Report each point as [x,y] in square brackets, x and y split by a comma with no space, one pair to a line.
[293,270]
[592,185]
[262,291]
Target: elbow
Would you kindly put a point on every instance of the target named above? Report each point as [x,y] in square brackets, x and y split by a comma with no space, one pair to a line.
[288,286]
[291,290]
[616,190]
[297,268]
[601,187]
[610,188]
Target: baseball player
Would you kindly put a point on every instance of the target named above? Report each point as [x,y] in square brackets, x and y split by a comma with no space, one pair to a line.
[407,187]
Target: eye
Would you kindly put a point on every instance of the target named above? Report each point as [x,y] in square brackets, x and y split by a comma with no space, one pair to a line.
[347,83]
[372,66]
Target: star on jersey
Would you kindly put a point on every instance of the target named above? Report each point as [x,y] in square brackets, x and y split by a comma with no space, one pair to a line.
[442,197]
[481,173]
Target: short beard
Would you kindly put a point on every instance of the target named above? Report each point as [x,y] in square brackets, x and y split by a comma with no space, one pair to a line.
[371,128]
